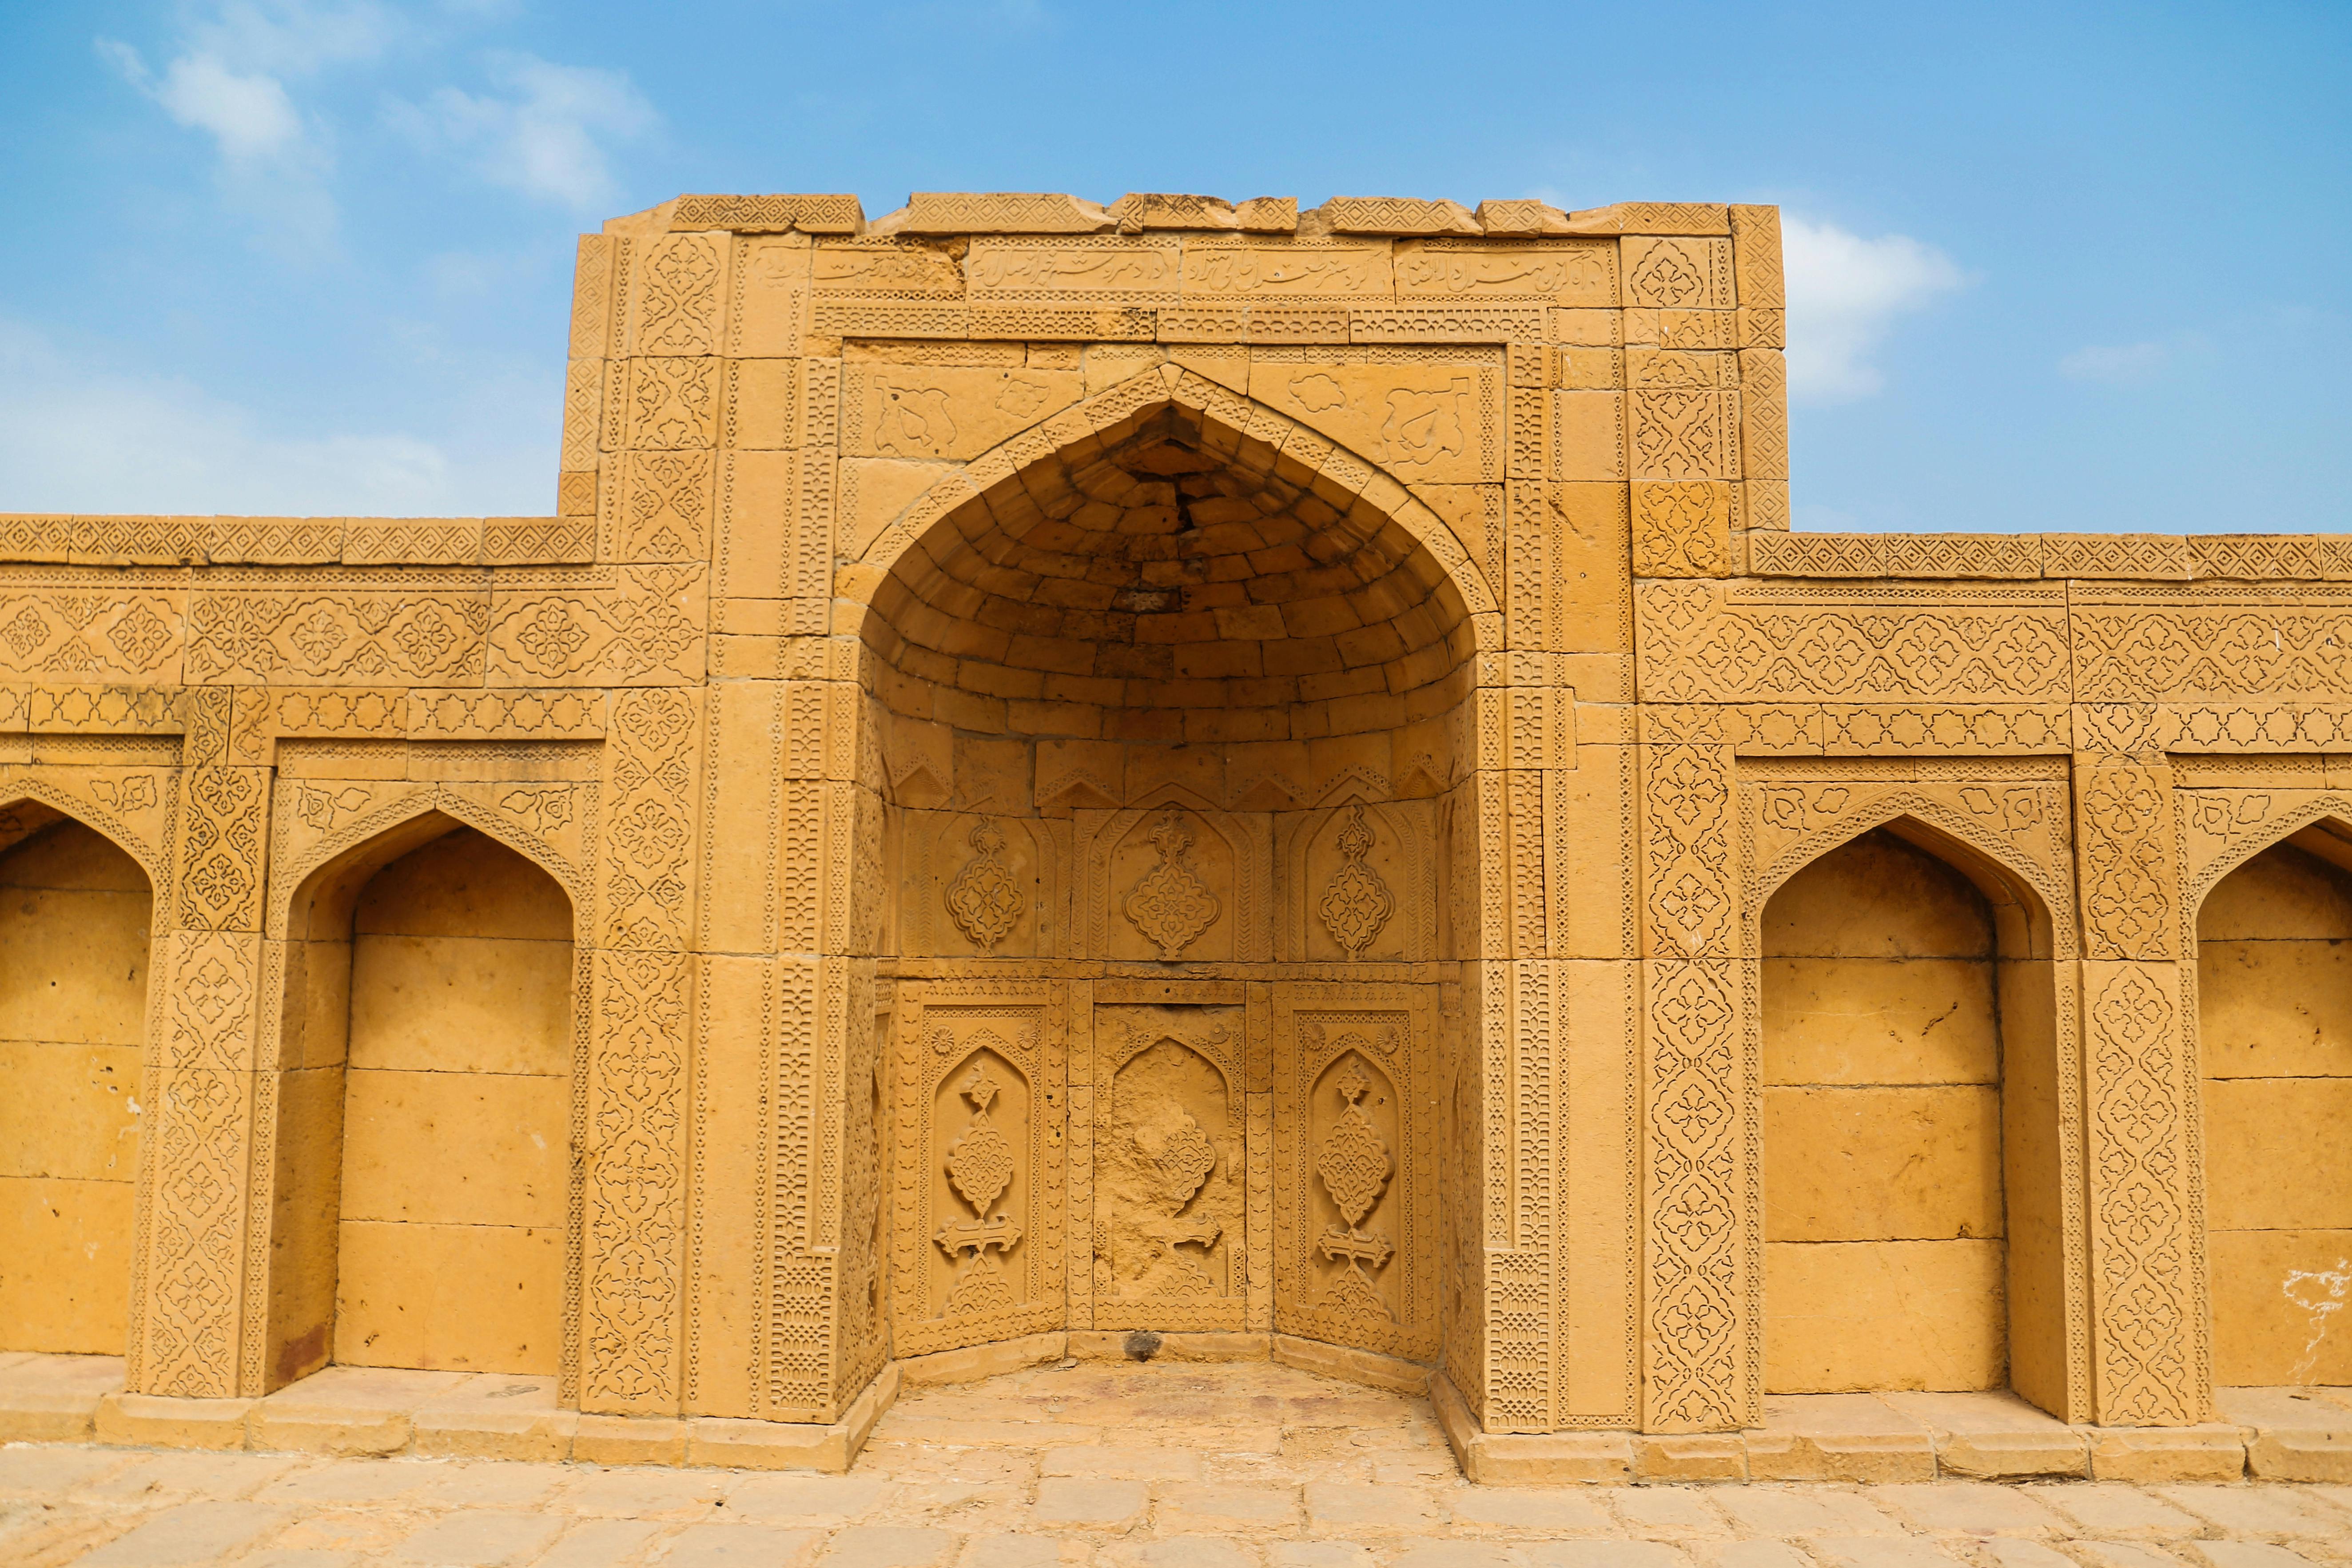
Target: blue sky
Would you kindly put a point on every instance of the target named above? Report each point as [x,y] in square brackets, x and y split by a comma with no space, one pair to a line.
[2051,267]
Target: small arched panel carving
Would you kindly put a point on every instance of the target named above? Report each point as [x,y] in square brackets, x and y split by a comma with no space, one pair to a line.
[1169,883]
[977,1166]
[1359,883]
[1355,1185]
[979,885]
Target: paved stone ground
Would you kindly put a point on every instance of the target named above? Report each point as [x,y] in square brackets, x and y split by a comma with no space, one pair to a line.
[1224,1467]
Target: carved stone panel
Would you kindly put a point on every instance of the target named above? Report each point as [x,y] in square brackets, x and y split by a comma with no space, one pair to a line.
[979,885]
[977,1167]
[1355,1184]
[1170,1168]
[1168,883]
[1358,881]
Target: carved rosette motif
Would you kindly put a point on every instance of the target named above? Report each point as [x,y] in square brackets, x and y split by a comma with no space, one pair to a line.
[1169,905]
[1356,904]
[984,901]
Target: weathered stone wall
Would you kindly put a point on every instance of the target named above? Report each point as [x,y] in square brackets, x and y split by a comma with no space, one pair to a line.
[1189,766]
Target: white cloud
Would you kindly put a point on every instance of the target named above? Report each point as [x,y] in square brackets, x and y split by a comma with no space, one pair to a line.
[546,137]
[296,37]
[227,77]
[76,440]
[249,114]
[1845,293]
[2131,364]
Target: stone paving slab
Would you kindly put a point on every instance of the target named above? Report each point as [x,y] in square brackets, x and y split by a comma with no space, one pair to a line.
[1254,1466]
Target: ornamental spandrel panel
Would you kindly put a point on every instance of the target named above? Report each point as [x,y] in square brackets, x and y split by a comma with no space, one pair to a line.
[936,412]
[1430,422]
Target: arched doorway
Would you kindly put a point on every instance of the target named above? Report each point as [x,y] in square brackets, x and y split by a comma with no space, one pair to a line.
[1182,818]
[2274,1029]
[424,1156]
[75,918]
[1913,1216]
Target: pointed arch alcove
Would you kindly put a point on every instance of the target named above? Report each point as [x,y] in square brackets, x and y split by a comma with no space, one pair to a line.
[2273,978]
[1177,712]
[423,1190]
[77,929]
[1919,1232]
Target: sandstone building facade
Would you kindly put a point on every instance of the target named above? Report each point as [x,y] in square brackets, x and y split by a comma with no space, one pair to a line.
[1200,768]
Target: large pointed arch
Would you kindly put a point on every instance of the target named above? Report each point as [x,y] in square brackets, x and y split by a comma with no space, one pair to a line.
[2264,1031]
[1233,424]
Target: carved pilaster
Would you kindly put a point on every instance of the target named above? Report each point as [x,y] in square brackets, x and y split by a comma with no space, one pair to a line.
[2151,1362]
[211,1115]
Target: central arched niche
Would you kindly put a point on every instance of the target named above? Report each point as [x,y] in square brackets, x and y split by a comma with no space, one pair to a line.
[1166,703]
[1913,1219]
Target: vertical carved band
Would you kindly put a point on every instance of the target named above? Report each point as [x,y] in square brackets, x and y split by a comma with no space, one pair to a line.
[1699,1132]
[632,1270]
[2147,1239]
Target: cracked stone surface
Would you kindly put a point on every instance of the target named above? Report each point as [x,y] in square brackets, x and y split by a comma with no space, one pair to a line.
[1251,1466]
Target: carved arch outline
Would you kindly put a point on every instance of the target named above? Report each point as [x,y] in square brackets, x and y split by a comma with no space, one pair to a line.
[338,849]
[1982,855]
[2043,897]
[154,859]
[1169,385]
[2325,809]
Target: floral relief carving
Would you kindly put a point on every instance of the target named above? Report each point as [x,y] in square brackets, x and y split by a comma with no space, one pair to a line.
[1169,1178]
[1357,903]
[980,1166]
[1170,906]
[984,901]
[1355,1167]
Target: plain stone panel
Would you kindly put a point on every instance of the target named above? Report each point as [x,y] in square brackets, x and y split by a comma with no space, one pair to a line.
[1872,1165]
[69,1108]
[453,1297]
[74,917]
[65,1283]
[2284,894]
[455,1148]
[2277,1311]
[2274,1008]
[1880,1021]
[461,1004]
[1841,1318]
[2277,1153]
